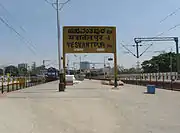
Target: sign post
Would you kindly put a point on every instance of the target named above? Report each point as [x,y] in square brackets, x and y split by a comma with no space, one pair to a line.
[90,39]
[64,66]
[115,60]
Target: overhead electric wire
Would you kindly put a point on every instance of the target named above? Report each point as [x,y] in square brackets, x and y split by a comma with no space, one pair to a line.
[160,34]
[4,8]
[17,33]
[61,4]
[50,3]
[7,22]
[52,63]
[174,27]
[128,50]
[145,50]
[171,28]
[169,15]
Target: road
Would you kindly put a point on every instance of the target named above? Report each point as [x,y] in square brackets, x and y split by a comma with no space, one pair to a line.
[89,107]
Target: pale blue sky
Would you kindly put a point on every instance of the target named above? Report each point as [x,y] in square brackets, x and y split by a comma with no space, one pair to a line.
[133,18]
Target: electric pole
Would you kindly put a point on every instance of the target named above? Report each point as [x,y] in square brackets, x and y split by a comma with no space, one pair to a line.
[174,39]
[61,78]
[137,45]
[80,61]
[105,57]
[58,6]
[44,62]
[80,64]
[137,49]
[58,34]
[68,68]
[171,67]
[138,67]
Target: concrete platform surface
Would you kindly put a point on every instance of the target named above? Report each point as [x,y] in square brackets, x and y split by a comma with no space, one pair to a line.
[89,107]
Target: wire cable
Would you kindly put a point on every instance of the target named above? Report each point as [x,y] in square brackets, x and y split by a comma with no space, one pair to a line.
[128,50]
[145,50]
[162,33]
[61,4]
[3,7]
[17,33]
[171,28]
[169,15]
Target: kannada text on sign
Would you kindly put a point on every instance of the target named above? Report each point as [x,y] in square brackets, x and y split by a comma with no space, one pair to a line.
[89,39]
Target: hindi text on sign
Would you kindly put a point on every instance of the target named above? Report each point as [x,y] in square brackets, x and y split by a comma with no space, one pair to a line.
[90,39]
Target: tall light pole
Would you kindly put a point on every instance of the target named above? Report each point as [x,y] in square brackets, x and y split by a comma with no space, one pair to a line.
[29,73]
[68,70]
[171,64]
[57,7]
[105,57]
[80,60]
[61,82]
[80,64]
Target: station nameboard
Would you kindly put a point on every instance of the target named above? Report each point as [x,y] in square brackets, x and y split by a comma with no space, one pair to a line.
[89,39]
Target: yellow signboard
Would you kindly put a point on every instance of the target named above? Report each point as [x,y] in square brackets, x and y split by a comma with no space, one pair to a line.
[89,39]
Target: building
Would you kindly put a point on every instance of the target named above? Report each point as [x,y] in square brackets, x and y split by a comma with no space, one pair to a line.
[84,65]
[23,65]
[33,67]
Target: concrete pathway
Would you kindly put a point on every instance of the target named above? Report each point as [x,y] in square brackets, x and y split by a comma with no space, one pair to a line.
[89,107]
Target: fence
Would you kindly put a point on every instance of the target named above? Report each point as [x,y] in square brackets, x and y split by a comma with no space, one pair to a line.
[19,83]
[161,80]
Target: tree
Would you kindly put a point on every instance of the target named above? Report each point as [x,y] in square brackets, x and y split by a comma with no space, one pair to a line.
[112,70]
[122,70]
[38,70]
[160,63]
[1,71]
[132,70]
[12,70]
[22,71]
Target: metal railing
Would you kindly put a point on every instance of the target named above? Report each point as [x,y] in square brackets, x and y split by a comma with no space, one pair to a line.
[161,80]
[17,83]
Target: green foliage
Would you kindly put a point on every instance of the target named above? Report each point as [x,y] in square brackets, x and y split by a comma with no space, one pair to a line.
[160,63]
[22,71]
[127,71]
[37,70]
[12,70]
[1,71]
